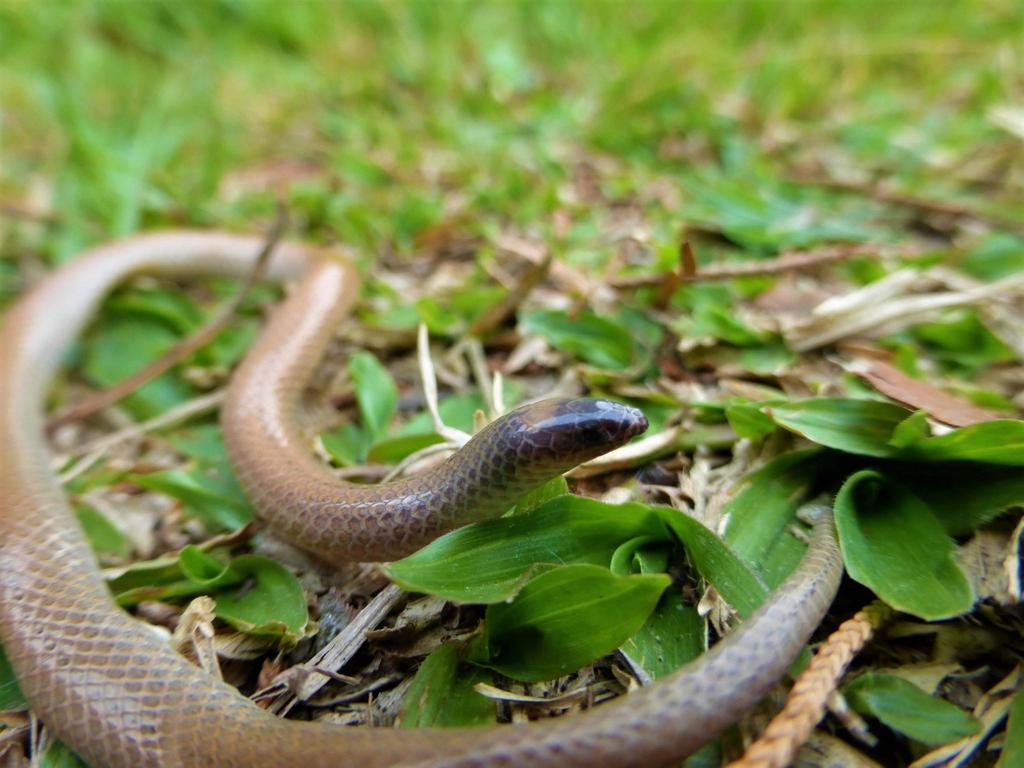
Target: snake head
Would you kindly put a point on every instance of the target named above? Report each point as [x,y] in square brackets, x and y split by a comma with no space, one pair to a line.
[559,434]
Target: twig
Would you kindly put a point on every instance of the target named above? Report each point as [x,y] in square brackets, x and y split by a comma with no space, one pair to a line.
[428,376]
[16,210]
[883,195]
[789,261]
[183,412]
[867,311]
[181,350]
[319,670]
[806,702]
[496,314]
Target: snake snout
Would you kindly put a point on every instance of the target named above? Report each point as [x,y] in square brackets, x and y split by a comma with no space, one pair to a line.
[609,424]
[576,430]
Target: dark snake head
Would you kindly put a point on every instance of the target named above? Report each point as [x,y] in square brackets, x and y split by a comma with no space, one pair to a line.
[556,435]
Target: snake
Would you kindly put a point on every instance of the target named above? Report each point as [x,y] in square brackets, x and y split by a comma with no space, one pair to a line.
[118,694]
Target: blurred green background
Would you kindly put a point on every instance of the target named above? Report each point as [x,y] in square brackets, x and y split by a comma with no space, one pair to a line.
[388,120]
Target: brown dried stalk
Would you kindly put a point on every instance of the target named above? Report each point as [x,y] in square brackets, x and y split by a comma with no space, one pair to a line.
[807,700]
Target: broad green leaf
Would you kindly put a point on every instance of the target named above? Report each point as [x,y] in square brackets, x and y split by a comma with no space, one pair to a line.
[489,561]
[174,308]
[440,320]
[749,420]
[896,546]
[230,345]
[673,635]
[145,580]
[456,411]
[718,321]
[995,442]
[763,509]
[60,755]
[910,431]
[567,617]
[884,430]
[735,582]
[962,495]
[376,392]
[103,535]
[856,426]
[644,554]
[904,707]
[204,442]
[596,339]
[536,498]
[1013,745]
[442,695]
[214,495]
[390,450]
[11,697]
[348,445]
[123,346]
[769,215]
[771,357]
[998,255]
[962,344]
[254,594]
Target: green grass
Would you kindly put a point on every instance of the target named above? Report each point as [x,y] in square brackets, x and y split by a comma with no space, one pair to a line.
[423,133]
[129,115]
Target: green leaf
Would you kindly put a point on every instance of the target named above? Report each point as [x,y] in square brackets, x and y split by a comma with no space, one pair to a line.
[204,442]
[388,450]
[911,431]
[174,308]
[763,509]
[735,582]
[719,321]
[594,338]
[103,535]
[995,442]
[11,697]
[456,411]
[963,344]
[489,561]
[59,755]
[998,255]
[749,420]
[673,635]
[213,495]
[123,346]
[963,495]
[894,545]
[904,707]
[552,489]
[885,430]
[254,594]
[376,392]
[770,215]
[348,445]
[1013,745]
[856,426]
[441,694]
[568,617]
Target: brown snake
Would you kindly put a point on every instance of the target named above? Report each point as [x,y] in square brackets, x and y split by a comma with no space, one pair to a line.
[120,696]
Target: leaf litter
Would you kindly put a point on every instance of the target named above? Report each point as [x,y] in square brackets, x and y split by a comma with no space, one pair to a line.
[719,263]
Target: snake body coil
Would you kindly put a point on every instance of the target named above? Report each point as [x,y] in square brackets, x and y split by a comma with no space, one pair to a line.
[121,697]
